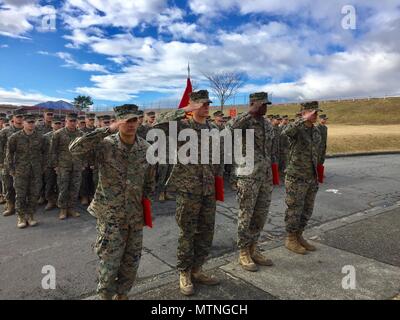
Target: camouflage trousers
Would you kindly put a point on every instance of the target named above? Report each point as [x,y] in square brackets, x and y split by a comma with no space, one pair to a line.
[50,188]
[87,184]
[68,182]
[119,248]
[163,172]
[195,215]
[282,163]
[300,198]
[254,197]
[27,185]
[8,184]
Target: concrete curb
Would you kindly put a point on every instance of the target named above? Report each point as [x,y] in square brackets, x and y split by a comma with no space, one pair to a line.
[361,154]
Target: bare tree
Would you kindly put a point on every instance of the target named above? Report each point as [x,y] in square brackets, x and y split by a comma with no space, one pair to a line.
[225,84]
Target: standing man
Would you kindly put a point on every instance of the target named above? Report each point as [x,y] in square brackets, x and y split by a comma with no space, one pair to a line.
[50,176]
[125,177]
[301,176]
[5,134]
[254,189]
[47,122]
[150,118]
[195,200]
[87,186]
[24,161]
[68,168]
[81,122]
[323,129]
[218,122]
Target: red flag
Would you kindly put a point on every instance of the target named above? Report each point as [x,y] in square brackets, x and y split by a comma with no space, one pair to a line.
[275,174]
[219,188]
[148,221]
[185,97]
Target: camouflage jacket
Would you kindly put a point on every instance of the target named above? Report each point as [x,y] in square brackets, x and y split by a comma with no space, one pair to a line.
[90,158]
[323,129]
[216,126]
[304,150]
[25,152]
[191,178]
[47,142]
[142,130]
[283,141]
[125,176]
[43,129]
[265,145]
[60,156]
[5,134]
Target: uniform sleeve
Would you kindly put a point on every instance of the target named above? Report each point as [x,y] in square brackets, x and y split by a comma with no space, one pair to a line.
[292,129]
[54,147]
[163,119]
[149,182]
[323,145]
[275,147]
[10,154]
[3,145]
[82,146]
[240,122]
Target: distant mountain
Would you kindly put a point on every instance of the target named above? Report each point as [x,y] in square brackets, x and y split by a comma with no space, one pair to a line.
[63,105]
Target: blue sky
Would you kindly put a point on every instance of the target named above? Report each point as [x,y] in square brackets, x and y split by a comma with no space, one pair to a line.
[137,51]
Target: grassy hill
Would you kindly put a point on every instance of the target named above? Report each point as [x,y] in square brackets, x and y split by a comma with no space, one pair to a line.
[357,112]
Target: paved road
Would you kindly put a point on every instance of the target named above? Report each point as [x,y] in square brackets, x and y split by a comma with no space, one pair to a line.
[352,185]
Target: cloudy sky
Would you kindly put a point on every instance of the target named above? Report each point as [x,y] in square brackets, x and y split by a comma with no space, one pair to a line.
[120,51]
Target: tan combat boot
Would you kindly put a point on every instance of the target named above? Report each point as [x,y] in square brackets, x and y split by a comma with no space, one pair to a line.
[84,201]
[169,196]
[246,261]
[74,214]
[120,297]
[50,205]
[2,199]
[308,246]
[105,296]
[185,283]
[199,276]
[21,223]
[161,197]
[258,257]
[63,214]
[293,244]
[31,221]
[10,209]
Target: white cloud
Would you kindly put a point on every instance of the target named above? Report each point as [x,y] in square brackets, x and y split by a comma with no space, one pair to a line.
[4,46]
[18,18]
[16,96]
[70,62]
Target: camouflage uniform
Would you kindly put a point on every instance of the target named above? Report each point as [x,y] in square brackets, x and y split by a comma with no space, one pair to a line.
[283,150]
[69,168]
[24,160]
[8,182]
[195,200]
[87,186]
[142,130]
[323,129]
[125,177]
[44,128]
[254,190]
[50,175]
[301,175]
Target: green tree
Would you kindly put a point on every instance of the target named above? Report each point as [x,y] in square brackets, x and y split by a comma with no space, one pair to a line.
[83,102]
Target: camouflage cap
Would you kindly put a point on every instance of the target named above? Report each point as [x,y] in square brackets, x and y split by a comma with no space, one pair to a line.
[312,105]
[56,119]
[106,117]
[81,118]
[99,117]
[285,117]
[90,116]
[323,116]
[126,111]
[150,113]
[48,111]
[141,113]
[29,116]
[200,96]
[218,114]
[226,118]
[18,112]
[270,116]
[3,116]
[72,115]
[259,96]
